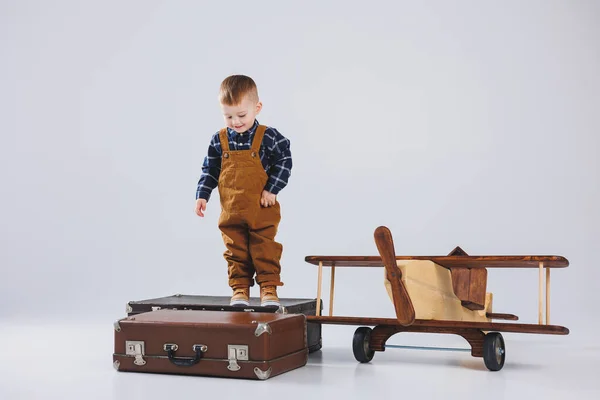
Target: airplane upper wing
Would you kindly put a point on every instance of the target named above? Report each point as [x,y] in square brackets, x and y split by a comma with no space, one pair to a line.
[447,261]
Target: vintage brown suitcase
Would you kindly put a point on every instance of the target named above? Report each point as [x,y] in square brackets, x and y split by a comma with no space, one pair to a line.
[221,303]
[211,343]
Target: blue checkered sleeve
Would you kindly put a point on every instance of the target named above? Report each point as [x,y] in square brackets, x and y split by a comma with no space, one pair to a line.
[279,160]
[211,169]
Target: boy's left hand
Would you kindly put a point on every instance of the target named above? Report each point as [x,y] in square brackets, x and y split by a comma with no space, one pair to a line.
[267,199]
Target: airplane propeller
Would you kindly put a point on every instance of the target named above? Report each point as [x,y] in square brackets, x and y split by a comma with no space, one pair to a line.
[405,311]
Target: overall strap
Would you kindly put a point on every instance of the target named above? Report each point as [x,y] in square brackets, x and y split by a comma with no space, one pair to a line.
[258,138]
[224,140]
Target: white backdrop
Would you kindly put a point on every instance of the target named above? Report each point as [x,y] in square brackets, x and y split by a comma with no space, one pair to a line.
[471,123]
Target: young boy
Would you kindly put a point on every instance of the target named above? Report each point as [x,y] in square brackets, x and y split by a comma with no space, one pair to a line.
[250,163]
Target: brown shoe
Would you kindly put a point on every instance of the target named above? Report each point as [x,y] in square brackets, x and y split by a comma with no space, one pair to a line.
[268,296]
[241,297]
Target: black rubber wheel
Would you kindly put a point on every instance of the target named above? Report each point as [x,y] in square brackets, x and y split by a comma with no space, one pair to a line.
[494,351]
[360,345]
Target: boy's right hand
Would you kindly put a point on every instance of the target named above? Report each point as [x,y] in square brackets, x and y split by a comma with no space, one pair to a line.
[200,206]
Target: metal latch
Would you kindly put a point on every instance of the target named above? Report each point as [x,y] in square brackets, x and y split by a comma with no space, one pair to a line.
[236,353]
[135,348]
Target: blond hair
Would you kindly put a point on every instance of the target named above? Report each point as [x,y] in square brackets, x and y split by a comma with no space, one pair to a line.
[235,87]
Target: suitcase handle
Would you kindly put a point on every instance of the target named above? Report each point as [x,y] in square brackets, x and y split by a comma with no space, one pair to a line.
[183,362]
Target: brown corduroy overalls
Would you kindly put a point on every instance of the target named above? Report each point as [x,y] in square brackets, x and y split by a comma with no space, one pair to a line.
[248,229]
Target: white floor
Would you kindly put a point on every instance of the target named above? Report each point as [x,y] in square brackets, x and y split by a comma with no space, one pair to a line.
[74,361]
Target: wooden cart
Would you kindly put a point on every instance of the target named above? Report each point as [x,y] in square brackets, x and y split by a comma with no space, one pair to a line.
[469,278]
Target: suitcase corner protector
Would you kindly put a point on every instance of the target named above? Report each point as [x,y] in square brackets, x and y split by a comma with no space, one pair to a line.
[281,310]
[262,327]
[262,375]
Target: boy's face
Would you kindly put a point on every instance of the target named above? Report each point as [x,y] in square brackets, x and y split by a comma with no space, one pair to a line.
[241,117]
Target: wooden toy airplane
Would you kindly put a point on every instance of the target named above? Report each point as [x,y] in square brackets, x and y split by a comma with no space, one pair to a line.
[438,294]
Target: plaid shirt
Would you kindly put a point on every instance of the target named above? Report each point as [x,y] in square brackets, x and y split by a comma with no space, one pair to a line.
[275,156]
